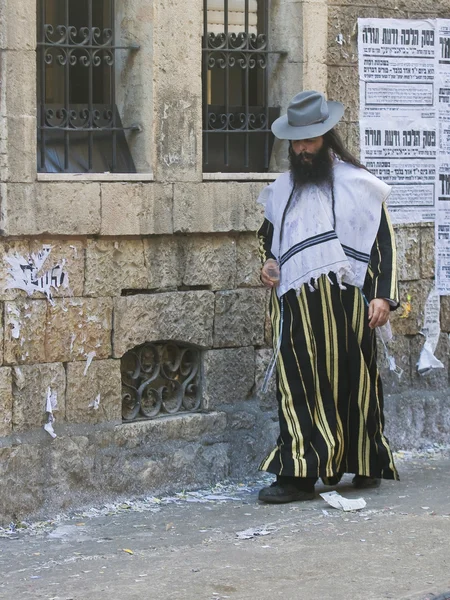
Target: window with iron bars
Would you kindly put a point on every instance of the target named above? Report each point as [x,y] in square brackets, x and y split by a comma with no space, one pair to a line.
[160,379]
[236,112]
[79,126]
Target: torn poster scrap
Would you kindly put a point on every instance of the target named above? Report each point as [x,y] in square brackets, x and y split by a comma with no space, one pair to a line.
[95,403]
[89,358]
[50,406]
[251,533]
[25,273]
[431,330]
[337,501]
[15,332]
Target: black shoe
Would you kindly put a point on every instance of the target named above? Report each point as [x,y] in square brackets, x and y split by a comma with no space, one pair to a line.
[334,480]
[280,493]
[361,482]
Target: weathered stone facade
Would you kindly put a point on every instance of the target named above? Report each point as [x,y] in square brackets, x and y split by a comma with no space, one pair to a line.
[417,407]
[167,256]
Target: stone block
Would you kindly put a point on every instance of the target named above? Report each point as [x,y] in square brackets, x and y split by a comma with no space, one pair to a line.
[248,262]
[343,86]
[30,387]
[71,254]
[136,209]
[85,384]
[217,207]
[210,261]
[112,266]
[427,254]
[6,401]
[408,253]
[18,69]
[396,13]
[267,400]
[315,76]
[24,481]
[285,20]
[76,458]
[413,5]
[184,427]
[241,419]
[134,87]
[76,327]
[228,376]
[408,318]
[279,161]
[2,336]
[343,33]
[17,26]
[24,340]
[9,249]
[437,379]
[342,129]
[178,121]
[239,318]
[417,419]
[445,313]
[52,208]
[399,348]
[177,91]
[285,76]
[20,143]
[315,45]
[164,259]
[68,208]
[353,139]
[177,316]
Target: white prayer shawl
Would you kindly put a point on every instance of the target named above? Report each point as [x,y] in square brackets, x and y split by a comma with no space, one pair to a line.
[310,245]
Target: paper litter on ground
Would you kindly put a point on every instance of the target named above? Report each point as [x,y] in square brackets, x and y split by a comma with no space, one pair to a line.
[337,501]
[251,533]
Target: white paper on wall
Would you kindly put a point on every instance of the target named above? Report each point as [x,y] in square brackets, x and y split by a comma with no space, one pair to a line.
[95,403]
[89,359]
[399,126]
[431,330]
[26,273]
[51,405]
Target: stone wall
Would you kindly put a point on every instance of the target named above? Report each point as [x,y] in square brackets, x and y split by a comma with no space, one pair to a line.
[417,407]
[196,288]
[167,255]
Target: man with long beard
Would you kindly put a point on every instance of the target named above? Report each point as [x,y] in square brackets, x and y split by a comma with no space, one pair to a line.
[328,253]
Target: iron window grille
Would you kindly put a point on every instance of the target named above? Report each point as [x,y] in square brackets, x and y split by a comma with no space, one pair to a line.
[160,379]
[236,112]
[79,126]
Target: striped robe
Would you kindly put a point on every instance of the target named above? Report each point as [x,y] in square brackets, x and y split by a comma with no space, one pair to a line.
[329,392]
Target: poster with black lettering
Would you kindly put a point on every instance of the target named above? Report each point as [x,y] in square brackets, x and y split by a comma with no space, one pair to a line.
[398,112]
[442,225]
[402,152]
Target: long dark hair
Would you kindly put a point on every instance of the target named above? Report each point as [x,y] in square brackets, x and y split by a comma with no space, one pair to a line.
[334,141]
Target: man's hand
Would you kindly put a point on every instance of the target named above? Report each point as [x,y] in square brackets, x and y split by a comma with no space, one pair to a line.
[270,273]
[378,312]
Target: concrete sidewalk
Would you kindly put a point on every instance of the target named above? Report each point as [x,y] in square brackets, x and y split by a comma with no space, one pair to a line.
[190,547]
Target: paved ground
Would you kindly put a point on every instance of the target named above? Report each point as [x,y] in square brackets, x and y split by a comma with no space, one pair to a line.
[190,547]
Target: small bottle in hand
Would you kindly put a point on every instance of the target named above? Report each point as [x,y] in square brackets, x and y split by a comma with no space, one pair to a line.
[270,274]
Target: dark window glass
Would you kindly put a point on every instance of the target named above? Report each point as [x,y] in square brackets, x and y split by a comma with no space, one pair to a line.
[236,114]
[79,127]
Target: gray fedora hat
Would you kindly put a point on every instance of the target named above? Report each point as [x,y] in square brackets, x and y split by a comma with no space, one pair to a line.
[308,115]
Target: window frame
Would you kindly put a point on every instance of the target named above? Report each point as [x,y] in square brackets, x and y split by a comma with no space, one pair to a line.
[91,47]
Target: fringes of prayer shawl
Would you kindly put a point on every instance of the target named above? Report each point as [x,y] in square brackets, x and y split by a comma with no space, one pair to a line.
[310,245]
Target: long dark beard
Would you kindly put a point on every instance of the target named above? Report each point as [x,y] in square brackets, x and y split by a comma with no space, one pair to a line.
[318,169]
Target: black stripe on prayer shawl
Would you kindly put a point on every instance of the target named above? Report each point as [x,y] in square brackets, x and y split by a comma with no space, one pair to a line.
[361,256]
[312,241]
